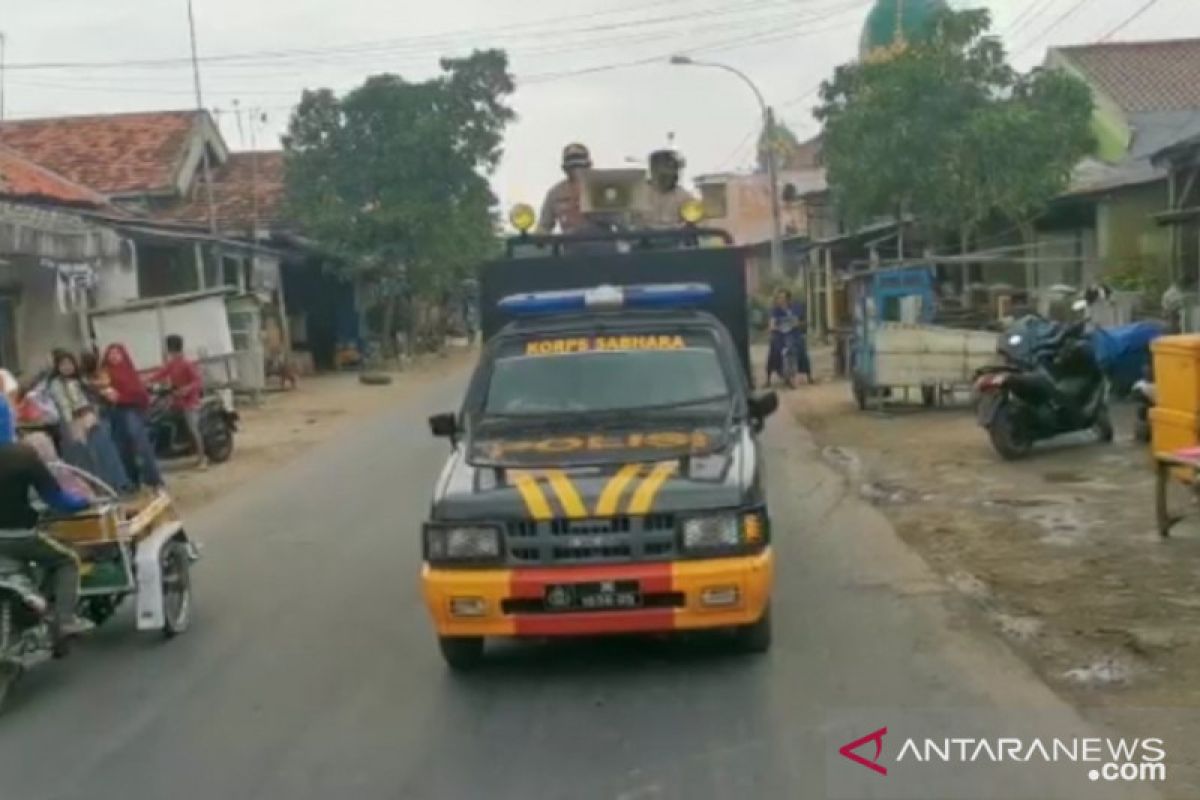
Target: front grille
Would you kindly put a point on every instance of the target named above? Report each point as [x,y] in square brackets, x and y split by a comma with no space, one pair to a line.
[535,605]
[591,541]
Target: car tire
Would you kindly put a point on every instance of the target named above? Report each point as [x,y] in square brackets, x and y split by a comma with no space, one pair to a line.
[461,653]
[375,379]
[755,637]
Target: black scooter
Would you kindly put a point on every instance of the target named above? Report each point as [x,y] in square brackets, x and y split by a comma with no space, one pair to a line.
[168,429]
[1049,384]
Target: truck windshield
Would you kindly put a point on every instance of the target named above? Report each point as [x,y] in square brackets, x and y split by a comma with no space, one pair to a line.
[597,375]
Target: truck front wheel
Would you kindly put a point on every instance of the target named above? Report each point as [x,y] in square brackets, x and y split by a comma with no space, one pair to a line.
[756,637]
[461,653]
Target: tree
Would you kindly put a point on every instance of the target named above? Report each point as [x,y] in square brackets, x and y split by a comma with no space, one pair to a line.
[392,178]
[944,130]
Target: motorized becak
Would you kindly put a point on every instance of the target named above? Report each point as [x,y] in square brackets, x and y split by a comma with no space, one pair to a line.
[127,548]
[605,474]
[1049,383]
[168,429]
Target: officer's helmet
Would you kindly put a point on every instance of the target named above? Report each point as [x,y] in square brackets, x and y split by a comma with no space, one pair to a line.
[576,156]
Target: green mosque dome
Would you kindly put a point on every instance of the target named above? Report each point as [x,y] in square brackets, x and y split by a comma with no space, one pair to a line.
[891,21]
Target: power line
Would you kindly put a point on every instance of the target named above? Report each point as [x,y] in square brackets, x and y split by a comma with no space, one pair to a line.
[736,152]
[1021,17]
[758,38]
[1132,18]
[429,42]
[1070,12]
[1020,26]
[759,29]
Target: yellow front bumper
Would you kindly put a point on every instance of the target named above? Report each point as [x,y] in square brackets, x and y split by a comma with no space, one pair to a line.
[508,597]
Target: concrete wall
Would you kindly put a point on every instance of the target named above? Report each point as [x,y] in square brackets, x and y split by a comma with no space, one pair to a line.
[33,239]
[747,203]
[41,324]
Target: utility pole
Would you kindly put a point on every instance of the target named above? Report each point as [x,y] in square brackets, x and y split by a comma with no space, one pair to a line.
[768,115]
[773,179]
[200,115]
[2,44]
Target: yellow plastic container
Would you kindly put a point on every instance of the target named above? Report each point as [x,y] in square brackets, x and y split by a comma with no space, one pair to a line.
[1177,373]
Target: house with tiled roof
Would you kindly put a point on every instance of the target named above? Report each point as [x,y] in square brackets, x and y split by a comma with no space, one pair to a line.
[55,258]
[194,216]
[1147,97]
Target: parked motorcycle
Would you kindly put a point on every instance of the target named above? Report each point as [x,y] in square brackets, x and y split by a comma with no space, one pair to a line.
[168,428]
[1050,383]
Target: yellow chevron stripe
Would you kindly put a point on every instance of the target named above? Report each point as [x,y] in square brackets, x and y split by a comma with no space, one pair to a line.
[643,498]
[568,495]
[531,493]
[610,498]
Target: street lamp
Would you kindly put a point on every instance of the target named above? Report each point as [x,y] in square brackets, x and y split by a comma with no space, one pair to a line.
[772,168]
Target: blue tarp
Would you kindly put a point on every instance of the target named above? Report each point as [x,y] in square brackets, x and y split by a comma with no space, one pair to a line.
[1124,351]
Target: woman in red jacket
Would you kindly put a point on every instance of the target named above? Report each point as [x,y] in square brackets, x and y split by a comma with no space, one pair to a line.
[130,401]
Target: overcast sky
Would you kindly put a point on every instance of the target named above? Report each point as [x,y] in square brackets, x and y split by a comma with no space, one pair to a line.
[786,46]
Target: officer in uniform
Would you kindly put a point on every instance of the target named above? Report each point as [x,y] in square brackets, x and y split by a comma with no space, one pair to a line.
[665,196]
[561,208]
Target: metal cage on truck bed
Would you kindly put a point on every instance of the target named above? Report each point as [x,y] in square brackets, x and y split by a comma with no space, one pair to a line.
[547,263]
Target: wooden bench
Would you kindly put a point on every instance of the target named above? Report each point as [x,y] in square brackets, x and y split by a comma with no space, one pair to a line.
[1181,466]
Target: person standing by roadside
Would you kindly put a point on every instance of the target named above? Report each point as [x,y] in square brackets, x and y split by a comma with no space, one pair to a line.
[187,388]
[130,402]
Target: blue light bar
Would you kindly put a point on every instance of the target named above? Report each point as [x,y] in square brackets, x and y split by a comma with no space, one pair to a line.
[649,295]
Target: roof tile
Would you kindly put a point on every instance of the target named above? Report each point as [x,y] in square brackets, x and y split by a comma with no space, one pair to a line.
[245,177]
[113,154]
[22,179]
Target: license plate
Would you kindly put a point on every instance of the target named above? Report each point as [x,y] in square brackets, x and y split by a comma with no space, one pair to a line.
[601,596]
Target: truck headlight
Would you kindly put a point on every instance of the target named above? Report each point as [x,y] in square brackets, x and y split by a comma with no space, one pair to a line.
[724,531]
[462,543]
[711,532]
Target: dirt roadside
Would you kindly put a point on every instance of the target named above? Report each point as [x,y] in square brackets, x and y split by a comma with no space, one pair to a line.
[286,424]
[1059,551]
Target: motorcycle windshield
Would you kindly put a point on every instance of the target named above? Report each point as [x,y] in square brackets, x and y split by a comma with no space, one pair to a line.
[1024,340]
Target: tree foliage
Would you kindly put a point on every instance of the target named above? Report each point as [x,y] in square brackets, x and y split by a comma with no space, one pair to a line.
[786,145]
[393,177]
[946,131]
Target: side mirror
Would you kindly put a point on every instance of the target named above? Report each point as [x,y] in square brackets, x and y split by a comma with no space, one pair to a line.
[763,405]
[444,426]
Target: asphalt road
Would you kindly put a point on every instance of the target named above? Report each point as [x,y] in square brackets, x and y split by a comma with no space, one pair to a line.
[311,670]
